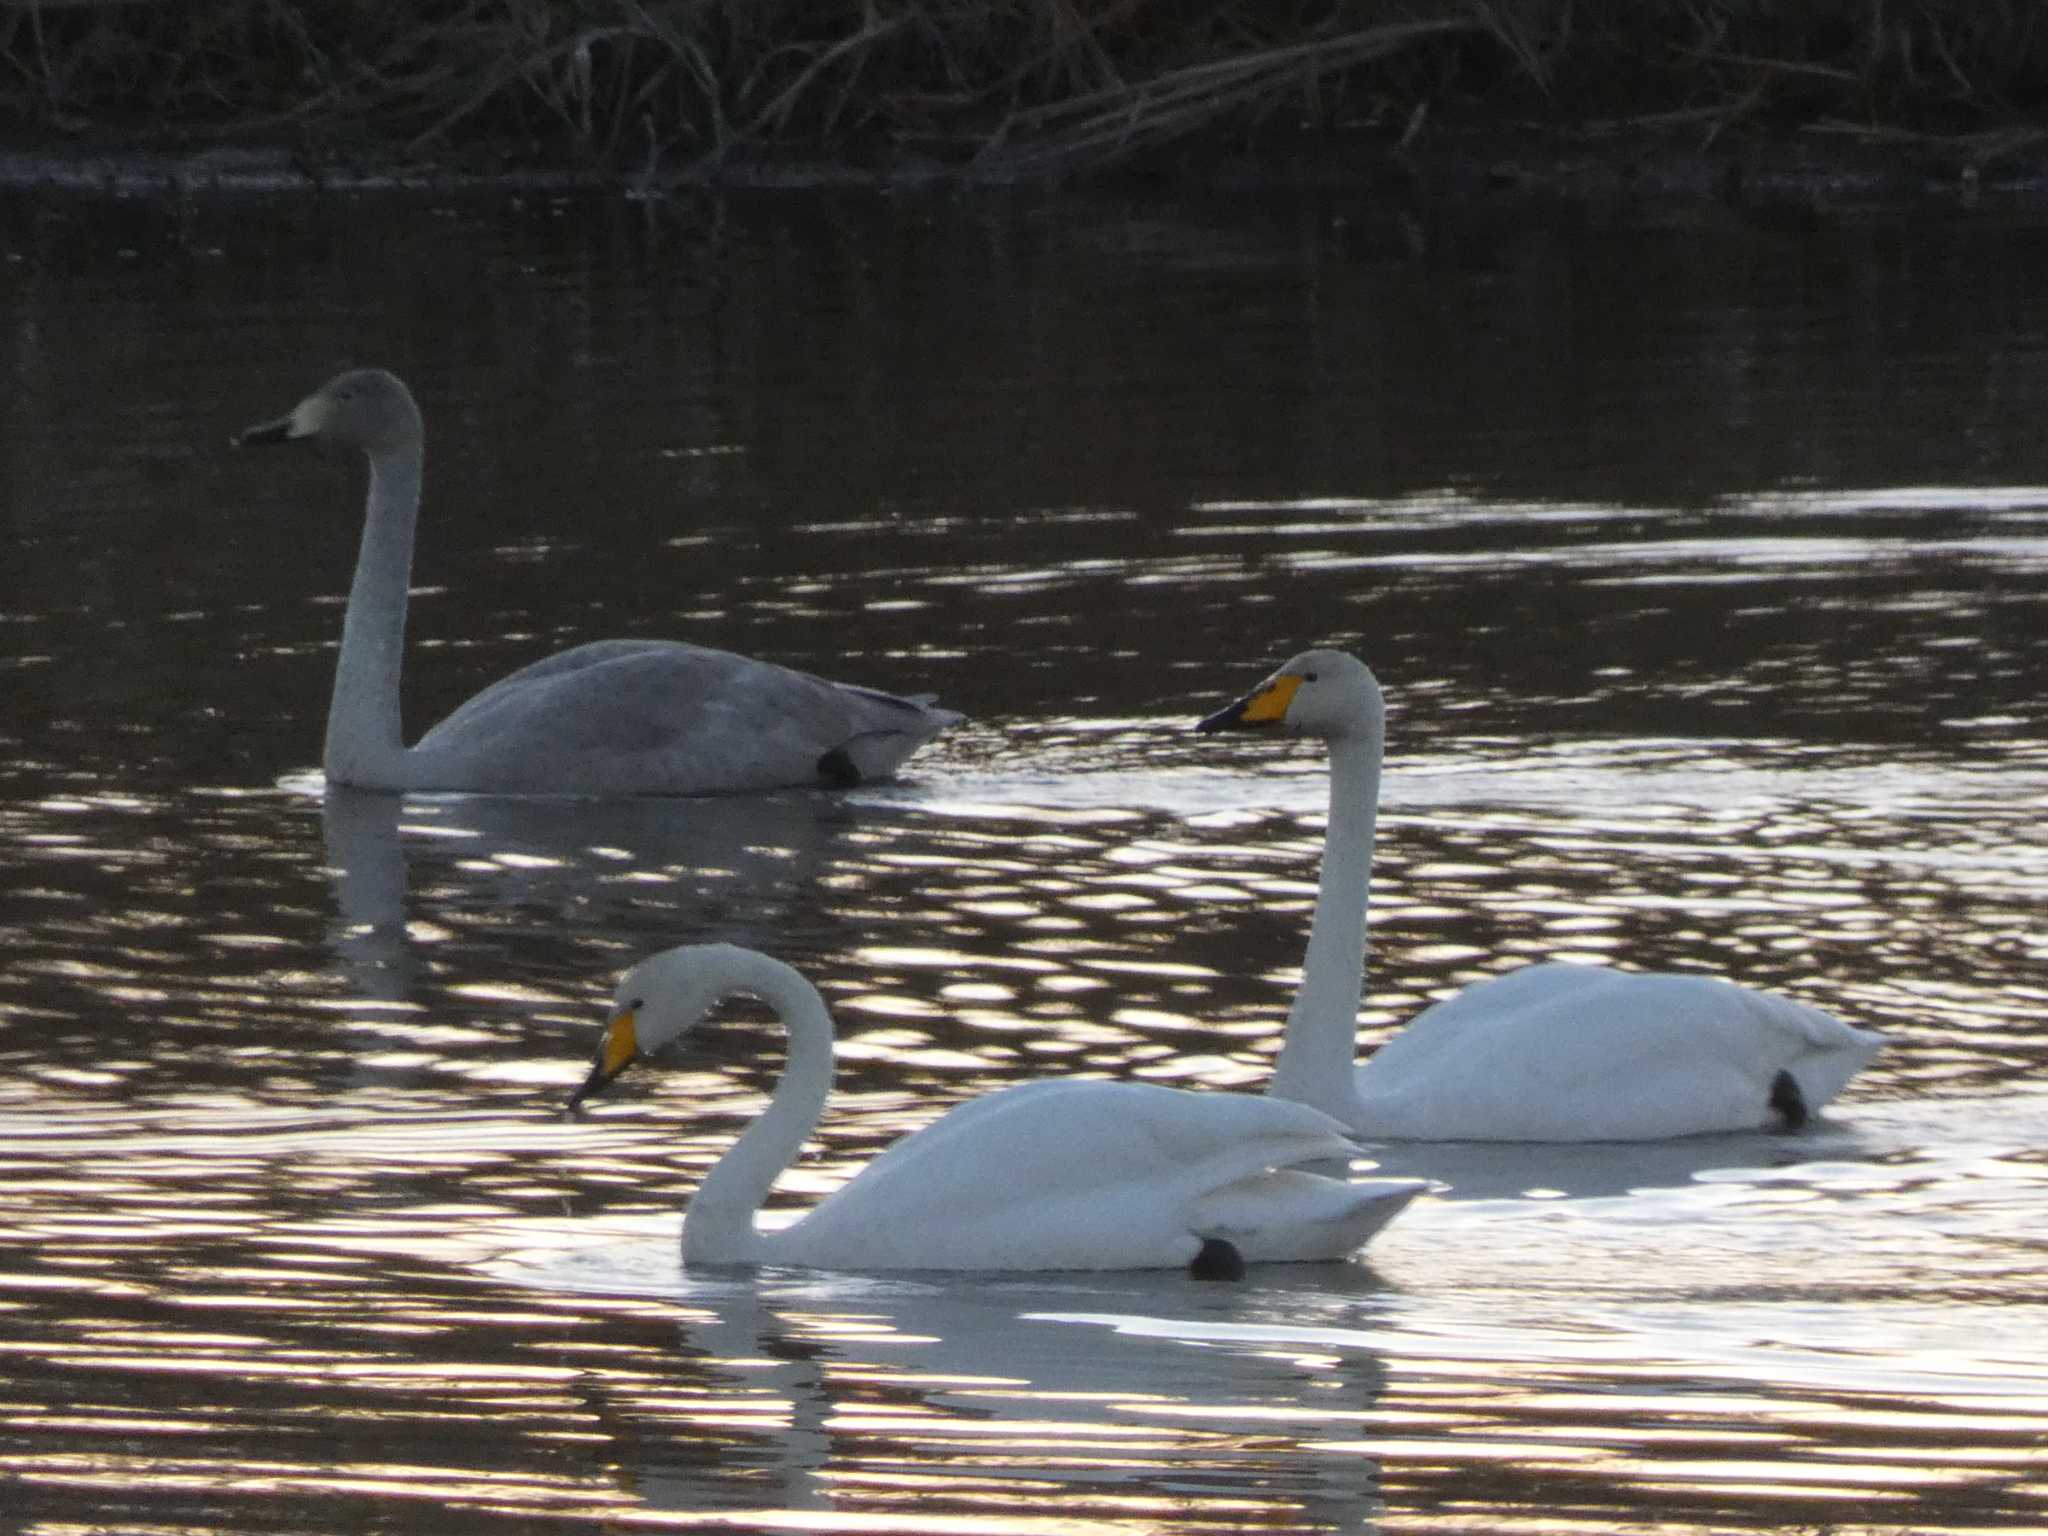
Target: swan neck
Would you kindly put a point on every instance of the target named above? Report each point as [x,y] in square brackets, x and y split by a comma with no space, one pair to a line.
[365,741]
[719,1227]
[1316,1056]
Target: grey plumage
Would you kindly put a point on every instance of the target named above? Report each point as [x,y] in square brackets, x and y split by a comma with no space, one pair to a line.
[613,717]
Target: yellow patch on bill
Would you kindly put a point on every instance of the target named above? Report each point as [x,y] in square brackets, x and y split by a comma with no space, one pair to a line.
[1270,702]
[621,1044]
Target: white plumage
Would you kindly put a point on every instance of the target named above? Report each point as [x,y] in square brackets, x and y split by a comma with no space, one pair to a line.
[1050,1175]
[1545,1053]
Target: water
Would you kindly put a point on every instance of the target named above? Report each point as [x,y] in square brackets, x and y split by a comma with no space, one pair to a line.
[1702,562]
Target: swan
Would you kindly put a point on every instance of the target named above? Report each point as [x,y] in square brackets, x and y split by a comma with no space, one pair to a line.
[613,717]
[1057,1174]
[1550,1052]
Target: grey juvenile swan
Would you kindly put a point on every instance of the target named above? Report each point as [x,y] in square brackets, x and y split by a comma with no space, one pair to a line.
[613,717]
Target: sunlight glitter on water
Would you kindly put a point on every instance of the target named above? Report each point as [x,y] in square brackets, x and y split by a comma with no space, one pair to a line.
[285,1169]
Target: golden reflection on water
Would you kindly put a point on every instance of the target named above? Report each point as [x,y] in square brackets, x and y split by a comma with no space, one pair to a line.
[247,1283]
[292,1238]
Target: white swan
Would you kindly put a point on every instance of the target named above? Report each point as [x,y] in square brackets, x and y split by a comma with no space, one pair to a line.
[1550,1052]
[1057,1174]
[613,717]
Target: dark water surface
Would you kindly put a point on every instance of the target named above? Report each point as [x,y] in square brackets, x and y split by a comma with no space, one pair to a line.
[1703,563]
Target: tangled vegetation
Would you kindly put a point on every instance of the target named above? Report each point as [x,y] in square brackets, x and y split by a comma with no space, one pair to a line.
[681,87]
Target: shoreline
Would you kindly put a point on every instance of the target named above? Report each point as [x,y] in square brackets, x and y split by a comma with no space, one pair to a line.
[1603,165]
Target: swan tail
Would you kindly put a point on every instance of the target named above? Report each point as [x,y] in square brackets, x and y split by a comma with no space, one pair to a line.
[1835,1052]
[1816,1056]
[916,712]
[1289,1216]
[866,757]
[879,751]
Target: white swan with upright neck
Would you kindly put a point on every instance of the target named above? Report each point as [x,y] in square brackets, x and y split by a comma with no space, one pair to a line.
[1552,1052]
[1060,1174]
[612,717]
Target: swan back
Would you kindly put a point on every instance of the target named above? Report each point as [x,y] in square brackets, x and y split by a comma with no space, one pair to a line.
[625,717]
[1563,1052]
[1066,1174]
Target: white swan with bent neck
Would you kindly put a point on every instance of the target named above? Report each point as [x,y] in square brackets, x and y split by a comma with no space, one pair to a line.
[1552,1052]
[1052,1175]
[612,717]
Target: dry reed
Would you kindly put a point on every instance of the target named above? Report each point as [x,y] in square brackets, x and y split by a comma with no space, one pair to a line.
[677,87]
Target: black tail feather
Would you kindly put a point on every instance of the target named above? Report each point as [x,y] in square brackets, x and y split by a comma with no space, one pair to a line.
[836,769]
[1217,1260]
[1788,1102]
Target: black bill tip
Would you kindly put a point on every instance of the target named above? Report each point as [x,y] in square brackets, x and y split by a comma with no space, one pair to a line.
[1229,718]
[601,1073]
[619,1049]
[278,431]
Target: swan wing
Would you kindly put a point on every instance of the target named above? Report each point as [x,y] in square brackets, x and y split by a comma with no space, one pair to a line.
[662,717]
[1587,1053]
[1057,1175]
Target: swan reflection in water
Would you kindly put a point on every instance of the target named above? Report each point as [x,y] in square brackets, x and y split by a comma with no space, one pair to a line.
[1592,1170]
[752,860]
[1089,1396]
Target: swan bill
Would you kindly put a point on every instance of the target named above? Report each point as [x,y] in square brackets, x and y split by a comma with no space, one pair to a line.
[1264,705]
[265,432]
[619,1049]
[309,418]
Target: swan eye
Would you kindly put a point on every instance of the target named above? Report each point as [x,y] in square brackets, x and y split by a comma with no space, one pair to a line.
[1308,677]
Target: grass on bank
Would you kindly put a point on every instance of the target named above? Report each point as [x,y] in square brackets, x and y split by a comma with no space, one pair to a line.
[679,87]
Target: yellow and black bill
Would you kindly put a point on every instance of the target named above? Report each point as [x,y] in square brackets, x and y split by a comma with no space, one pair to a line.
[619,1049]
[1265,706]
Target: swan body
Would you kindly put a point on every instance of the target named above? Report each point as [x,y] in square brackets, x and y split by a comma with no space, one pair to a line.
[1050,1175]
[613,717]
[1546,1053]
[1600,1054]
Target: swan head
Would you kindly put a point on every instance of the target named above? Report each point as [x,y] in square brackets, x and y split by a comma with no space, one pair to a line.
[1325,693]
[364,408]
[658,1002]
